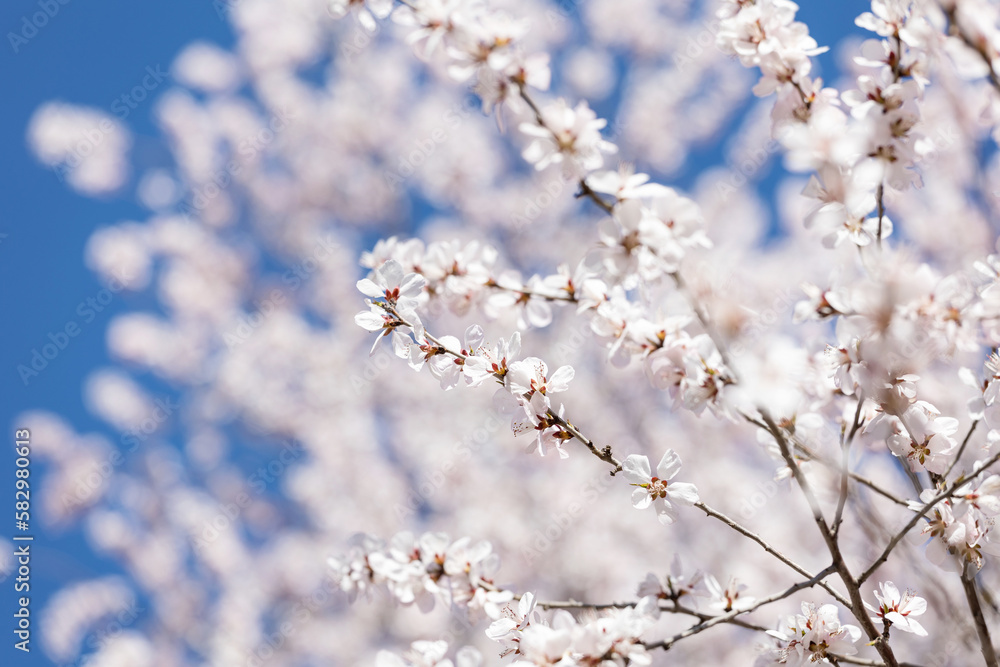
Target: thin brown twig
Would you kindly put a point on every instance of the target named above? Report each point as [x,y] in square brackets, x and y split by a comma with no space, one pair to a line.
[674,608]
[845,467]
[982,629]
[725,618]
[603,453]
[955,30]
[769,549]
[961,449]
[857,606]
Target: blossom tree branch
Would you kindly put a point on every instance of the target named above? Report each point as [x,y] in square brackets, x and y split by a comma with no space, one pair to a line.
[705,625]
[927,507]
[857,606]
[978,618]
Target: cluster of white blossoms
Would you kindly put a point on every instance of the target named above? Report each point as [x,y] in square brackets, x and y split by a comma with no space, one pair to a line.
[431,567]
[527,385]
[962,528]
[861,143]
[611,640]
[811,637]
[312,137]
[889,325]
[421,570]
[650,229]
[430,654]
[675,358]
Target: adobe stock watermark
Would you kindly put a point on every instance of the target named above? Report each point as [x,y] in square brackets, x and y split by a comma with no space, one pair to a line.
[96,479]
[295,277]
[698,43]
[247,149]
[535,206]
[31,24]
[110,631]
[749,165]
[562,12]
[407,164]
[300,612]
[60,339]
[764,320]
[122,107]
[560,522]
[461,452]
[253,487]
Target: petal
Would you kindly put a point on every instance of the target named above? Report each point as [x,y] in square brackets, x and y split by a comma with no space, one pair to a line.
[377,340]
[890,594]
[683,493]
[640,499]
[473,337]
[665,512]
[369,288]
[669,465]
[560,379]
[500,628]
[369,320]
[412,285]
[915,606]
[391,273]
[367,21]
[514,346]
[636,469]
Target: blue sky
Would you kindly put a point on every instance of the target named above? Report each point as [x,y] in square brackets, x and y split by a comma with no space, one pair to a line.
[91,53]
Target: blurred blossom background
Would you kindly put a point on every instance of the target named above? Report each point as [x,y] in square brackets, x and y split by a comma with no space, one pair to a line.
[189,187]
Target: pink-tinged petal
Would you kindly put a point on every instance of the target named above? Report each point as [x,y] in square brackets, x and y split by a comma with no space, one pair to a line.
[683,493]
[640,499]
[669,465]
[526,605]
[401,344]
[370,289]
[560,379]
[636,469]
